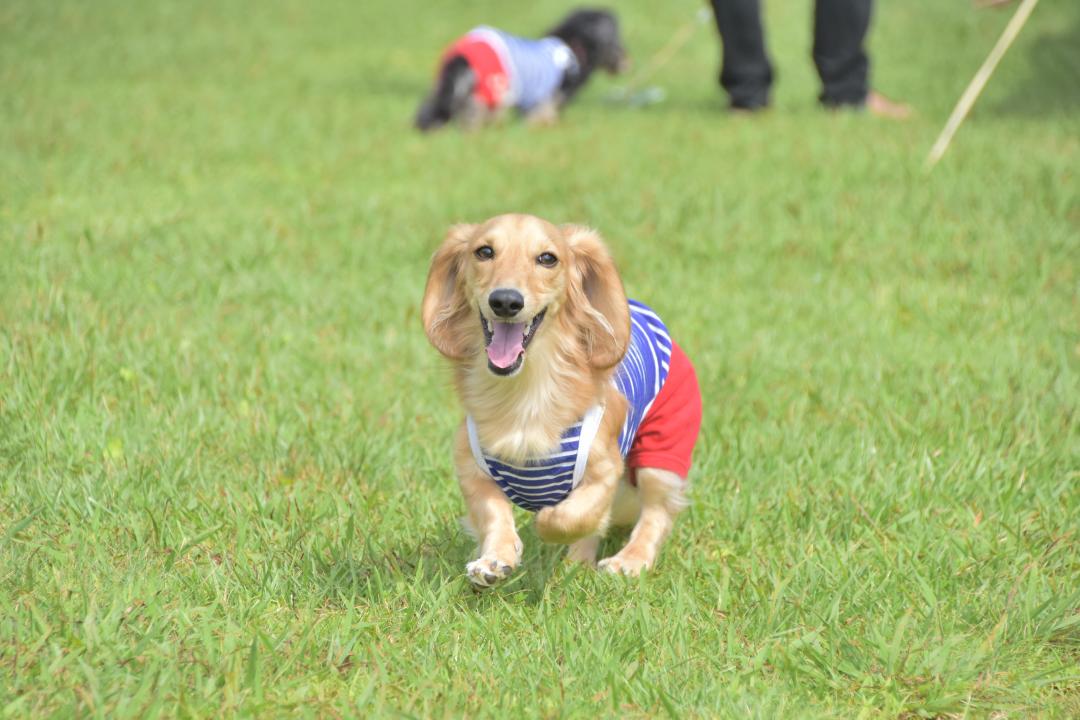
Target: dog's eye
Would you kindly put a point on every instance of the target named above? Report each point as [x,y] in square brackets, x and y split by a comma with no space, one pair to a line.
[484,252]
[547,259]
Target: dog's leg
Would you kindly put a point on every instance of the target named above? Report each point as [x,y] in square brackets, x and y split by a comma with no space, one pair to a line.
[584,550]
[662,498]
[586,510]
[491,520]
[545,114]
[474,115]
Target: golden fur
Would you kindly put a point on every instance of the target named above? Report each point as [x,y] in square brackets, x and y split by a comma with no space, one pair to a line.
[567,369]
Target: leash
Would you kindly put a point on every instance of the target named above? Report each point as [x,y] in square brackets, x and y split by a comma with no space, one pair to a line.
[632,93]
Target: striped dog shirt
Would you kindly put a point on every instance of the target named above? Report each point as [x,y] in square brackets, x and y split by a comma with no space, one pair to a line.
[540,482]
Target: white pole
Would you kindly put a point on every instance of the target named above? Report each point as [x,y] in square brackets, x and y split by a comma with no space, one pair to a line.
[963,107]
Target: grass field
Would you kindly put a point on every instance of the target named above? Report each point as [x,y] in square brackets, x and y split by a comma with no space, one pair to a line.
[225,482]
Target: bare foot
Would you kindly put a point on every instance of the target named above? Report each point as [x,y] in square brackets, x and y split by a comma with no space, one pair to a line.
[881,106]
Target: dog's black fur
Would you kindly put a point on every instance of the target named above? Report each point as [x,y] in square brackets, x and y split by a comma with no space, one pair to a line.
[592,35]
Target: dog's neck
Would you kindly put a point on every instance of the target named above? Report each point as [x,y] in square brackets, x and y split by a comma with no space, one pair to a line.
[576,79]
[524,416]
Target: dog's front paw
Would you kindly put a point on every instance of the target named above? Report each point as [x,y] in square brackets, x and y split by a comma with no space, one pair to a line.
[620,565]
[487,571]
[548,527]
[559,524]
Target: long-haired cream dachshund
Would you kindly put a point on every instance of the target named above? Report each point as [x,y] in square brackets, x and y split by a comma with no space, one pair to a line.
[579,406]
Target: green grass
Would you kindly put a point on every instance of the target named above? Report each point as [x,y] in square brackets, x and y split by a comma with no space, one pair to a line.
[225,482]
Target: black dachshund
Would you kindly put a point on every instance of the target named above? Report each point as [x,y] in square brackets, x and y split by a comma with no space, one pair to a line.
[488,71]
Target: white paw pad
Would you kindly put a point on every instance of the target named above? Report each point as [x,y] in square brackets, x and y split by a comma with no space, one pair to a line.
[487,571]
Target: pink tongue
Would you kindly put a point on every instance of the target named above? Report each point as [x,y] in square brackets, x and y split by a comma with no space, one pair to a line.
[506,343]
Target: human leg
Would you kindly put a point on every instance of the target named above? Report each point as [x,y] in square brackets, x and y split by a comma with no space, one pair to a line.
[840,28]
[746,73]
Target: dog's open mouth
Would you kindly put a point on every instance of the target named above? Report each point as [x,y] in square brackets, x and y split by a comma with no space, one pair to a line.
[506,342]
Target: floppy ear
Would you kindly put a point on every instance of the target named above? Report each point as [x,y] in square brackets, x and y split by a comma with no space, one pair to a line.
[445,308]
[596,293]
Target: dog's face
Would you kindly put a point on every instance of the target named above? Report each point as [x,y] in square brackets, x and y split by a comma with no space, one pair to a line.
[495,287]
[597,33]
[513,276]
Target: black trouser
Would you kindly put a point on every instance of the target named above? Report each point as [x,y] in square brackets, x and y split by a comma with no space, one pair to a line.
[839,30]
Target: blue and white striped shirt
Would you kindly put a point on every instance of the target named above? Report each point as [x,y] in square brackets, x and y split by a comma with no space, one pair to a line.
[541,482]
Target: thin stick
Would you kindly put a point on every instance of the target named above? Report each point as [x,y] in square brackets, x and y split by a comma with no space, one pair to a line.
[971,94]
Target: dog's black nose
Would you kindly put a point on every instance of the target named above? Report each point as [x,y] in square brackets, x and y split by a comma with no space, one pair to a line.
[506,303]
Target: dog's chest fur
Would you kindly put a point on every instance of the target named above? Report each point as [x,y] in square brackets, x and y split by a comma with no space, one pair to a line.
[525,416]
